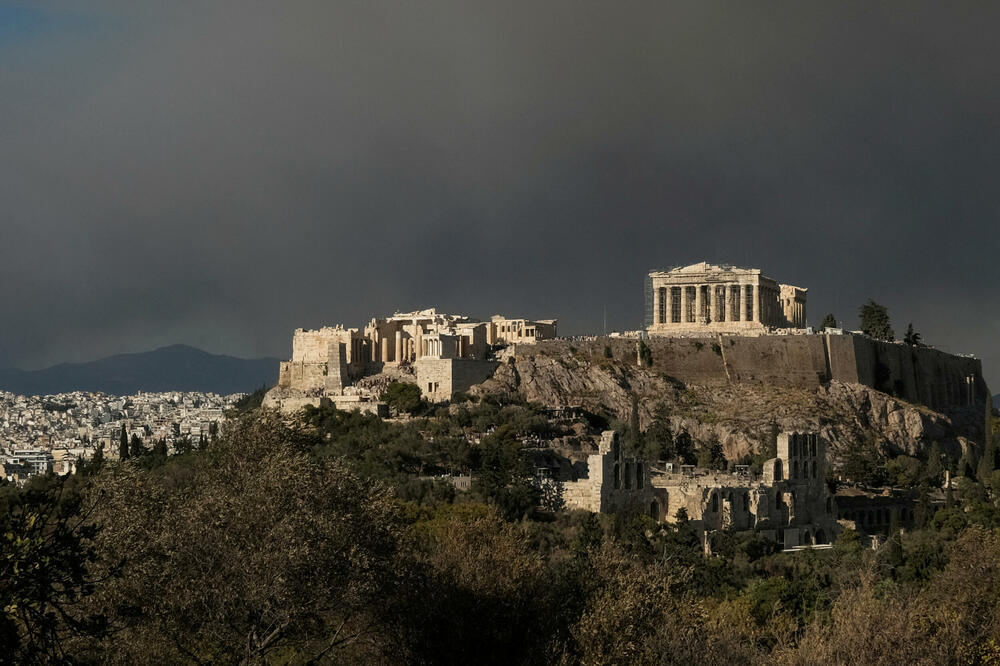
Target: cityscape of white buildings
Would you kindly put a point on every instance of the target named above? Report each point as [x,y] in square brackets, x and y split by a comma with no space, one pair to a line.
[55,432]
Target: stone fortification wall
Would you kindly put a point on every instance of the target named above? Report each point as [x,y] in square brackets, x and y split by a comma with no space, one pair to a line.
[916,374]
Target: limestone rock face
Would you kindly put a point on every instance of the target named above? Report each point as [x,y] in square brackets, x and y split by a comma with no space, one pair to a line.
[740,415]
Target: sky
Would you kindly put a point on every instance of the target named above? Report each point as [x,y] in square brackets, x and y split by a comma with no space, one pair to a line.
[221,173]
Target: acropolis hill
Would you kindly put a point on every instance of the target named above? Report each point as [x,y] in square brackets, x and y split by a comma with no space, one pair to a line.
[727,346]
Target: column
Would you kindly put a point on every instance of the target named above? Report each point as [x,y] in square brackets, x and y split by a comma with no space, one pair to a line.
[384,346]
[756,304]
[712,304]
[656,305]
[697,303]
[742,301]
[670,305]
[685,300]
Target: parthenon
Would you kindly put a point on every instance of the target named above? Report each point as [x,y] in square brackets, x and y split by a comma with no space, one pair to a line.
[720,299]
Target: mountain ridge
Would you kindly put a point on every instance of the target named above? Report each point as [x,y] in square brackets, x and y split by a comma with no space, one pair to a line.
[177,367]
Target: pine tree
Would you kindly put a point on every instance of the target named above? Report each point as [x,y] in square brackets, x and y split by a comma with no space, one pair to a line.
[123,444]
[911,338]
[875,321]
[829,321]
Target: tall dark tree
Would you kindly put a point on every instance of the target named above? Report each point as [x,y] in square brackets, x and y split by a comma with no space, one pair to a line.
[136,448]
[94,465]
[987,463]
[684,446]
[875,321]
[911,338]
[934,469]
[634,435]
[829,321]
[183,445]
[659,437]
[711,455]
[123,444]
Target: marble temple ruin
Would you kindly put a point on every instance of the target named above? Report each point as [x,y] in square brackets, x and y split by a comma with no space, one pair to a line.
[704,297]
[442,353]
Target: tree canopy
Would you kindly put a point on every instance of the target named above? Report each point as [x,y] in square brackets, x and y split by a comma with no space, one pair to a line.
[875,321]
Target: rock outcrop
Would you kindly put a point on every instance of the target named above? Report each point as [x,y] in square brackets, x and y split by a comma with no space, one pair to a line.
[741,414]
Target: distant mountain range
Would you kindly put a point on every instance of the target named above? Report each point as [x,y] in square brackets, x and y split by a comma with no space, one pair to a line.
[174,368]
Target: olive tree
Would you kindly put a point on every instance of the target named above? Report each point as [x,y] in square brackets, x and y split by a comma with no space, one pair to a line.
[247,551]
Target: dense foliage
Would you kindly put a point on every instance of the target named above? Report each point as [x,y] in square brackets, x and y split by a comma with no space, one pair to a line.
[875,321]
[335,540]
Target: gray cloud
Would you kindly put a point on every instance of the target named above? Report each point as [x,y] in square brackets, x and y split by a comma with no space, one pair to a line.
[221,173]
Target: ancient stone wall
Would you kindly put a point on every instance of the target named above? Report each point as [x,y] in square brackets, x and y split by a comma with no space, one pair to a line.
[614,483]
[439,379]
[945,382]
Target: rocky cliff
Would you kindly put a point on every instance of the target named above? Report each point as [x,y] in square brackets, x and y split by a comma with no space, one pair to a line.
[739,410]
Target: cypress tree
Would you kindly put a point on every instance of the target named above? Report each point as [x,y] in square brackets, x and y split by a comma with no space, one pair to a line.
[634,434]
[987,463]
[894,544]
[136,449]
[123,444]
[934,469]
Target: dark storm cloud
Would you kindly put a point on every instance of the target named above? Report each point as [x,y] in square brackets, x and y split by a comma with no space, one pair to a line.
[221,173]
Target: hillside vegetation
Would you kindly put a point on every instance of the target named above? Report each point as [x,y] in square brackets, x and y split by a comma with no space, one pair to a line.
[331,540]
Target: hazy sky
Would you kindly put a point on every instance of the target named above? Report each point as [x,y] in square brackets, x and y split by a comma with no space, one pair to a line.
[222,173]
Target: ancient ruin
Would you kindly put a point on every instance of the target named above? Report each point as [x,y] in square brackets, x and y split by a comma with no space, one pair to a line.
[708,298]
[443,354]
[788,502]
